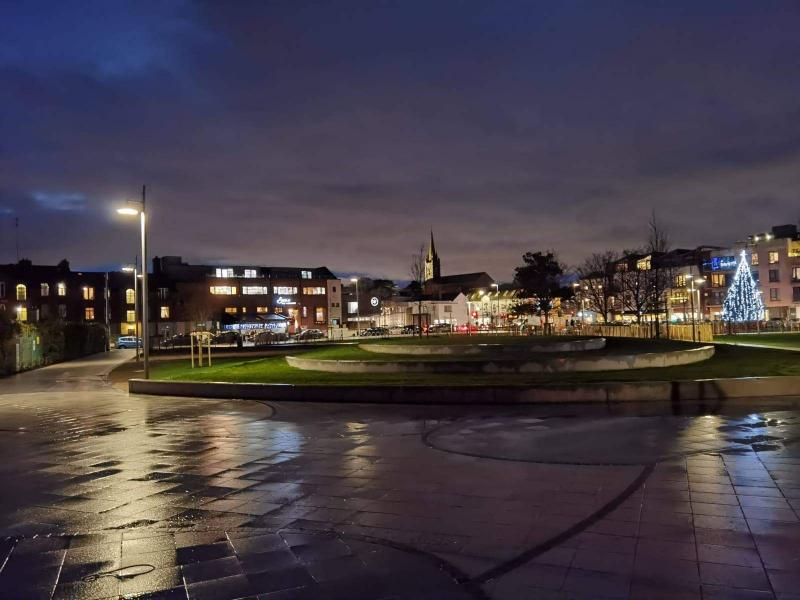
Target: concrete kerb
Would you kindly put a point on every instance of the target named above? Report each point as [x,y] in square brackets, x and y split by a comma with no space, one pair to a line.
[558,364]
[644,391]
[579,345]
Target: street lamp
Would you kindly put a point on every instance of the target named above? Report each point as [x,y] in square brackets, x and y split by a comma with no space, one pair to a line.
[358,307]
[134,271]
[700,281]
[134,208]
[496,287]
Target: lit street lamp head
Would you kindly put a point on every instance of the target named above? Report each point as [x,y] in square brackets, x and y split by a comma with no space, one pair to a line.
[127,210]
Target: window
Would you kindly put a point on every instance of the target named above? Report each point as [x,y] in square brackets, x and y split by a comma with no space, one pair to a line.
[718,280]
[774,293]
[333,289]
[278,310]
[754,259]
[165,312]
[679,297]
[314,291]
[255,290]
[22,313]
[88,313]
[319,314]
[163,293]
[130,316]
[643,264]
[22,292]
[231,310]
[773,257]
[223,272]
[262,309]
[305,311]
[795,273]
[2,289]
[88,293]
[250,273]
[774,276]
[62,311]
[130,296]
[44,289]
[61,289]
[284,289]
[448,308]
[291,312]
[305,274]
[352,308]
[796,294]
[223,290]
[680,281]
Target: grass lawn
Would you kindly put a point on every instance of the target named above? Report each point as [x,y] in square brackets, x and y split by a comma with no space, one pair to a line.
[778,340]
[729,361]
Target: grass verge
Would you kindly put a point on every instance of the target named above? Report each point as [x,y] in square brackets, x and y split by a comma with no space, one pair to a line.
[777,340]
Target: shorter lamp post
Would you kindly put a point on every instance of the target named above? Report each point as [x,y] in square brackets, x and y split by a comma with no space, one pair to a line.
[133,270]
[358,307]
[496,287]
[692,290]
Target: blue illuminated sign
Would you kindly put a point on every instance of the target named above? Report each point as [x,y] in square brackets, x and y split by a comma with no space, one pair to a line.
[720,263]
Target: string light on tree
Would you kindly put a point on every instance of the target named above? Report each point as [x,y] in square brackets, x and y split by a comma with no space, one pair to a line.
[743,302]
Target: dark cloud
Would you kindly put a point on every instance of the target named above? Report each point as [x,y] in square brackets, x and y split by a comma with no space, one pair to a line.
[341,132]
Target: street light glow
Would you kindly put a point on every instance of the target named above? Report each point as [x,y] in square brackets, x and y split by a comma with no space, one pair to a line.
[127,210]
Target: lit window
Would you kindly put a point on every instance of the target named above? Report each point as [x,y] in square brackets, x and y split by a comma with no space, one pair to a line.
[130,316]
[352,308]
[88,293]
[231,310]
[61,289]
[130,296]
[223,290]
[680,281]
[89,313]
[165,312]
[795,273]
[718,280]
[262,309]
[278,310]
[754,259]
[773,257]
[22,292]
[223,272]
[305,274]
[45,289]
[319,314]
[314,291]
[291,312]
[255,290]
[283,289]
[643,264]
[22,313]
[305,311]
[250,273]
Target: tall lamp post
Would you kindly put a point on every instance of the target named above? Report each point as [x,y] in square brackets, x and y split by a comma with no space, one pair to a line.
[692,288]
[358,307]
[133,208]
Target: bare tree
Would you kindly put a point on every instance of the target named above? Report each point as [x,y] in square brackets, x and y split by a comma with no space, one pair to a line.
[658,244]
[600,281]
[635,283]
[417,273]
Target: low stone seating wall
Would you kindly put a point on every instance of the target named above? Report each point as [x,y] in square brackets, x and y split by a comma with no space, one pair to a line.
[597,343]
[611,362]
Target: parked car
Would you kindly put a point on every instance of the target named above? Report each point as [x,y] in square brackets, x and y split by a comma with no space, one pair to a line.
[181,339]
[225,337]
[309,334]
[440,328]
[129,341]
[410,330]
[269,337]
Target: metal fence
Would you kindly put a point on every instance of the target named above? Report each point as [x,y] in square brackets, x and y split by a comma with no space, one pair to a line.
[701,332]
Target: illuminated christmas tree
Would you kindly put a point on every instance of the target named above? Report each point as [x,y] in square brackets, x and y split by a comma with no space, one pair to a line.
[743,302]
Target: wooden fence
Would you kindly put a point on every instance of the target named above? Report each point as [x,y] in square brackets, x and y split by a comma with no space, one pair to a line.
[703,332]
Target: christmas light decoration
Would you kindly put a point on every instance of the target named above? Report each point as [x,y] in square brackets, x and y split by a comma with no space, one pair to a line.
[743,302]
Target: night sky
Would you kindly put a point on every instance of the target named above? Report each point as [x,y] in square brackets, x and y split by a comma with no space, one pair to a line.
[339,132]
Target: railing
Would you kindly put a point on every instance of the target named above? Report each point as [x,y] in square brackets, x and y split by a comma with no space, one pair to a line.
[701,332]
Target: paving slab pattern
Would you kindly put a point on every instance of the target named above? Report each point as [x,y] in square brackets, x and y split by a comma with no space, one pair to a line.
[107,495]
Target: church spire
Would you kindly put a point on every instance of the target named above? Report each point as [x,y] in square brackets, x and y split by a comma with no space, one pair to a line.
[432,265]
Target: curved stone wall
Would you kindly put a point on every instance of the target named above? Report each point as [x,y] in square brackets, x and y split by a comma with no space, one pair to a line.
[579,345]
[610,362]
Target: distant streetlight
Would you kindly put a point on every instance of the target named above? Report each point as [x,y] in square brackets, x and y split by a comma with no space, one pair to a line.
[134,208]
[133,270]
[358,307]
[700,281]
[496,287]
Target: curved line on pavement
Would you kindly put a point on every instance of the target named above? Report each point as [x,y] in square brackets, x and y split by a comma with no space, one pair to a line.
[549,544]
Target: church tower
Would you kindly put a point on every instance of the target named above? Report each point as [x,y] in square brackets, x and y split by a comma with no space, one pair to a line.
[433,269]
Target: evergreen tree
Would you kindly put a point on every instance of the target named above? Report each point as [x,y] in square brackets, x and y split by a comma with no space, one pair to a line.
[743,302]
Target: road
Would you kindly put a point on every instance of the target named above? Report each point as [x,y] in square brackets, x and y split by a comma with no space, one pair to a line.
[107,495]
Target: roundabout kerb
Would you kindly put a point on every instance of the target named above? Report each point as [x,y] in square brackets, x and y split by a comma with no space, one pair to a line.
[487,349]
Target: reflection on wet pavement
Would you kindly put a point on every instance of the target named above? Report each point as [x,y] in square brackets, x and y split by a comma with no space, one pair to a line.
[109,496]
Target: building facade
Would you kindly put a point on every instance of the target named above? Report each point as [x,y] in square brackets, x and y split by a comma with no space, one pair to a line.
[775,257]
